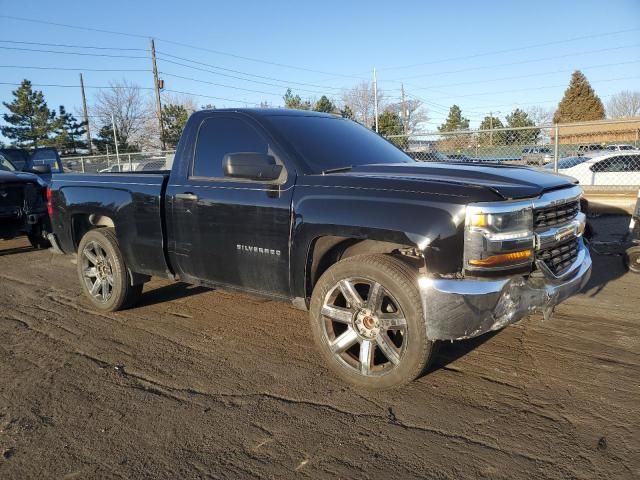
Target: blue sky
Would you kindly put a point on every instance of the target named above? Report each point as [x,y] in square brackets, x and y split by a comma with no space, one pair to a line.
[483,56]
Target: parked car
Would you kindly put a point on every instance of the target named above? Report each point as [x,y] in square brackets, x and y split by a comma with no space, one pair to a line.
[607,168]
[616,147]
[567,162]
[432,156]
[388,255]
[589,149]
[537,155]
[632,253]
[122,167]
[460,157]
[23,206]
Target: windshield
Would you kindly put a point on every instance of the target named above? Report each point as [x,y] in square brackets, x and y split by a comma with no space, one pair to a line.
[6,165]
[327,143]
[568,162]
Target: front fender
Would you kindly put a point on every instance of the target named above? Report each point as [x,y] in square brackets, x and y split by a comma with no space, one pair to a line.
[431,225]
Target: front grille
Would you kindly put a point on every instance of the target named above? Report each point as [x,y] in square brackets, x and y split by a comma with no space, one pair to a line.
[555,215]
[11,196]
[560,257]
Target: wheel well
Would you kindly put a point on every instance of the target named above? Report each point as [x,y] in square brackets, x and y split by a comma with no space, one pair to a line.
[81,223]
[328,250]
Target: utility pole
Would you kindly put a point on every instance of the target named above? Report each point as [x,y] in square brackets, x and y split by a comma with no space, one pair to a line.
[405,113]
[86,116]
[115,140]
[375,97]
[490,128]
[156,87]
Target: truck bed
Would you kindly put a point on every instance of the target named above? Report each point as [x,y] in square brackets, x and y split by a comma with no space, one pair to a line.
[133,201]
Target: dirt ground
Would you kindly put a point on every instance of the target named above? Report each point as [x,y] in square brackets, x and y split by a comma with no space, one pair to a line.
[210,384]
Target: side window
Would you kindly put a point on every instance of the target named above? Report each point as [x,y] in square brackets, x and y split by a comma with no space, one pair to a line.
[632,163]
[218,136]
[611,164]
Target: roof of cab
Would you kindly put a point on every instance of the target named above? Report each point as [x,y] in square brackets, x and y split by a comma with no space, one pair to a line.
[269,112]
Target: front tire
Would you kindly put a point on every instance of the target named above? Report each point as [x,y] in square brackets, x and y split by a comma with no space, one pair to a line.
[102,272]
[368,322]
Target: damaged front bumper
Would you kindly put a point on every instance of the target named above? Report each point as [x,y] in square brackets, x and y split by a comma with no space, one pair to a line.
[457,309]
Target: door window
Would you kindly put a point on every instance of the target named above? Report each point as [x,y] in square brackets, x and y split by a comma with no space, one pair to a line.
[219,136]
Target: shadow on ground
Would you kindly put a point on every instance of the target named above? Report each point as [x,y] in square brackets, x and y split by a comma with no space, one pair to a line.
[170,292]
[14,251]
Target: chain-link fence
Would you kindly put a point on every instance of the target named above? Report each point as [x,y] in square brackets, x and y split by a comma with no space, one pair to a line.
[123,162]
[603,154]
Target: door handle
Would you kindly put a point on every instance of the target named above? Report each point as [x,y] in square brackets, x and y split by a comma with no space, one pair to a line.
[187,196]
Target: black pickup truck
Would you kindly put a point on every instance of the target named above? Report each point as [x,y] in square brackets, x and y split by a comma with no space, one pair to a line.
[23,206]
[388,254]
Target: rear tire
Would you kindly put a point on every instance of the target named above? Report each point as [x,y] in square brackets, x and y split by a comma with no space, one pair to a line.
[368,322]
[632,259]
[103,273]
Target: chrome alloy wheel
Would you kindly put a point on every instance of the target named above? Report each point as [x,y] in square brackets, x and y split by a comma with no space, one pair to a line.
[97,272]
[364,326]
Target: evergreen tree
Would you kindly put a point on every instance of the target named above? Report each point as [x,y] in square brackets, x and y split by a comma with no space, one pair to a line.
[324,105]
[580,102]
[455,121]
[519,118]
[295,102]
[105,141]
[30,122]
[390,123]
[495,138]
[174,118]
[69,133]
[346,112]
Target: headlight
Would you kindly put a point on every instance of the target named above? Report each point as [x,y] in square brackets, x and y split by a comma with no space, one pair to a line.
[498,240]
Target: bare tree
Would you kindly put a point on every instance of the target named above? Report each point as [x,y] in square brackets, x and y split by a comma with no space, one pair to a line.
[414,113]
[360,99]
[624,104]
[132,112]
[187,101]
[540,115]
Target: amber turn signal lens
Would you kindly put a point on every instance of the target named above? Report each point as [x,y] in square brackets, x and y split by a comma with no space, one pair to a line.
[503,258]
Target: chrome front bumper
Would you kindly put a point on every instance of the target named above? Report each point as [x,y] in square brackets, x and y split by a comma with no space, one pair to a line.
[466,308]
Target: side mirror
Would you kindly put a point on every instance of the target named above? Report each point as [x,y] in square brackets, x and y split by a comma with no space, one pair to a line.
[251,166]
[41,169]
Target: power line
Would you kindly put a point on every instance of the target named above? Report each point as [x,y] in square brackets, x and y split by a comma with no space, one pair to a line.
[59,85]
[108,87]
[38,67]
[535,88]
[212,97]
[247,74]
[217,52]
[538,74]
[514,49]
[220,84]
[64,45]
[521,62]
[72,53]
[235,77]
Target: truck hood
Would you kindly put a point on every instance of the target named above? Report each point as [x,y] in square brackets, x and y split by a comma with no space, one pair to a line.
[508,181]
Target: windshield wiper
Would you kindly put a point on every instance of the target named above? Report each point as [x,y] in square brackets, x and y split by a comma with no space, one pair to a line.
[337,169]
